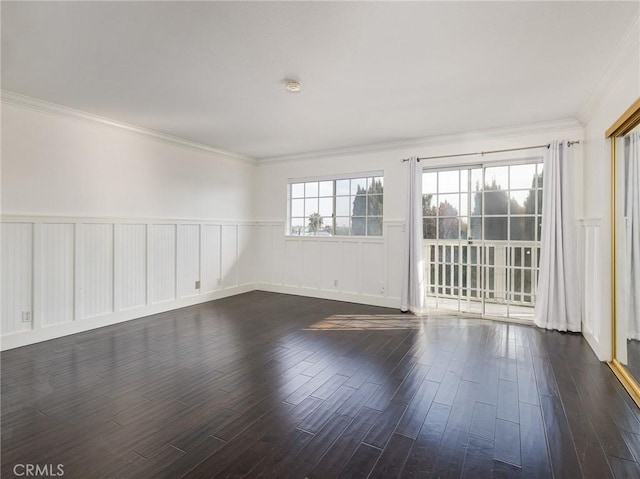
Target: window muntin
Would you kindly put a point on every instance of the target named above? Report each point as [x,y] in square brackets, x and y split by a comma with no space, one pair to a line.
[340,207]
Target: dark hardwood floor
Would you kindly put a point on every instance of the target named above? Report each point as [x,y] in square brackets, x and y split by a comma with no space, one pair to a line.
[269,385]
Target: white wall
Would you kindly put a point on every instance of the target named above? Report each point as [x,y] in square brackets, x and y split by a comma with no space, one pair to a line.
[57,165]
[619,89]
[101,224]
[368,270]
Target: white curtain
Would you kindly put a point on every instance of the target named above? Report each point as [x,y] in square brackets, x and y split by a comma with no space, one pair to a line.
[632,243]
[558,300]
[413,271]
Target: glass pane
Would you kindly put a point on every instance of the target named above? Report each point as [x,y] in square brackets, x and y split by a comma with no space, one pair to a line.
[310,206]
[342,187]
[464,227]
[448,205]
[496,228]
[429,182]
[342,225]
[343,206]
[297,226]
[476,179]
[495,203]
[358,185]
[428,206]
[520,200]
[374,186]
[326,207]
[429,228]
[540,174]
[359,205]
[380,179]
[476,203]
[297,190]
[374,226]
[476,229]
[374,205]
[326,188]
[311,189]
[297,207]
[523,228]
[358,226]
[315,223]
[496,177]
[448,181]
[449,228]
[522,177]
[464,181]
[463,210]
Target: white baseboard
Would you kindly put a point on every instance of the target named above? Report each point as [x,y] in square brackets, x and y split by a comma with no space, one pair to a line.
[332,295]
[24,338]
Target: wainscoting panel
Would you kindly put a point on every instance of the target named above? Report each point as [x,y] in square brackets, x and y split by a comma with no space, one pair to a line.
[210,266]
[263,247]
[188,260]
[229,256]
[372,269]
[54,267]
[278,262]
[350,267]
[162,264]
[246,254]
[96,269]
[130,266]
[330,265]
[394,256]
[590,254]
[75,274]
[357,269]
[17,257]
[310,264]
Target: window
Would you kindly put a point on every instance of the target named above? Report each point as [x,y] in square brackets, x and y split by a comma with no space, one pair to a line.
[336,207]
[481,230]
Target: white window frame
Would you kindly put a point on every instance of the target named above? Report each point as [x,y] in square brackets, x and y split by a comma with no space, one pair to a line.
[366,176]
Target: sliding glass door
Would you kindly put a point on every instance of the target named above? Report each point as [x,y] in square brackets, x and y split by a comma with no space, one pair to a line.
[481,230]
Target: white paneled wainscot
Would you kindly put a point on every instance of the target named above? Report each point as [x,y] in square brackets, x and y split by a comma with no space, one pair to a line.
[66,275]
[358,269]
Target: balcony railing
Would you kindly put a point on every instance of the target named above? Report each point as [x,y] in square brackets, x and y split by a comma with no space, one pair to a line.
[500,272]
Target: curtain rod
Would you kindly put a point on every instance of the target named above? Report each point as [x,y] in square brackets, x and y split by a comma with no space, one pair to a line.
[482,153]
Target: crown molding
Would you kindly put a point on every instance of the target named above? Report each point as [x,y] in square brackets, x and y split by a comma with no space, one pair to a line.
[628,46]
[27,102]
[431,141]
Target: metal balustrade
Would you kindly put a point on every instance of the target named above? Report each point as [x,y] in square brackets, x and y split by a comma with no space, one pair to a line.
[498,272]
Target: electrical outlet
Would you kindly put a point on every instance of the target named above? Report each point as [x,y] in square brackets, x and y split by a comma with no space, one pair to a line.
[197,284]
[26,316]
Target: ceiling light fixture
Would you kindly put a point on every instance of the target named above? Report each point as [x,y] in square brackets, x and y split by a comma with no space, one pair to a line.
[293,85]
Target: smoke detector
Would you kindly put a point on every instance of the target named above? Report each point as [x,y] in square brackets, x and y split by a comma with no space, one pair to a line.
[293,85]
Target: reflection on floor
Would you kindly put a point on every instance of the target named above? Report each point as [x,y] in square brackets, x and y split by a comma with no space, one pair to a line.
[279,386]
[491,309]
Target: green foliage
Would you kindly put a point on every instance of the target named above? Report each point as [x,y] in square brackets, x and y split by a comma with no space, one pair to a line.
[316,223]
[367,202]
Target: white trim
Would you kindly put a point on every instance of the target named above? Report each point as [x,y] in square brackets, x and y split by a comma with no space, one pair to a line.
[627,47]
[430,141]
[23,338]
[16,99]
[343,176]
[117,220]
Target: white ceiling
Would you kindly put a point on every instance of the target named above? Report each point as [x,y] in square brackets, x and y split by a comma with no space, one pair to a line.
[212,72]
